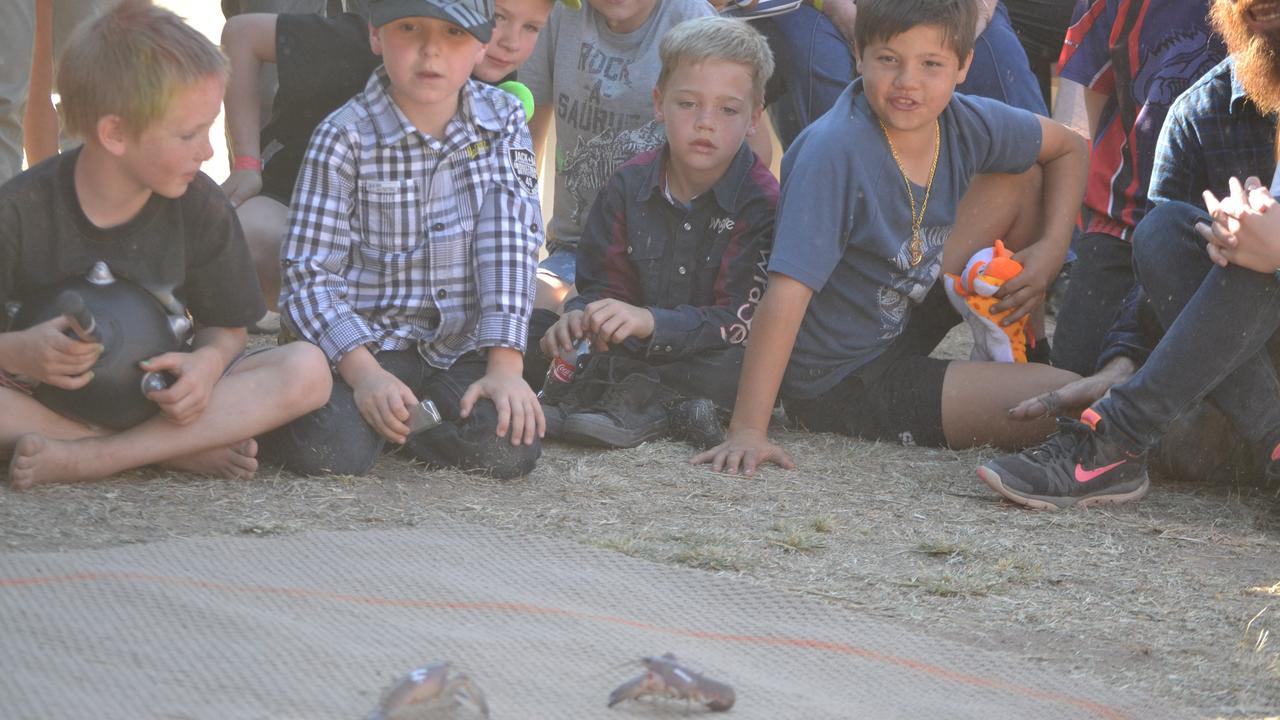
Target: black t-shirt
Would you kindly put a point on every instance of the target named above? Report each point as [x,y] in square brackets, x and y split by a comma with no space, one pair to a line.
[321,63]
[193,244]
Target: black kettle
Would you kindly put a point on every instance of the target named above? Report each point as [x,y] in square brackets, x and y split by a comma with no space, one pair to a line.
[131,323]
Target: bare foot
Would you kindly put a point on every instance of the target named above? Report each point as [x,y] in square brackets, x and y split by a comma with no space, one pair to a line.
[38,460]
[233,462]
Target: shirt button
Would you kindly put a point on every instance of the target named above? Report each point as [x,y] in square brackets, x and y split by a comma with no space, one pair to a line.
[441,293]
[533,228]
[681,270]
[687,226]
[437,227]
[668,348]
[630,249]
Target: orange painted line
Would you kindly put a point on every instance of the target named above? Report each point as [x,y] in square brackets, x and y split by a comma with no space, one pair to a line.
[837,648]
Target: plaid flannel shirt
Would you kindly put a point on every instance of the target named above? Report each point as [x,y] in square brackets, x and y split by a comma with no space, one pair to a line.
[397,238]
[1213,132]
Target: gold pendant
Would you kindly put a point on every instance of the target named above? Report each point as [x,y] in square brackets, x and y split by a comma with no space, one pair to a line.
[917,252]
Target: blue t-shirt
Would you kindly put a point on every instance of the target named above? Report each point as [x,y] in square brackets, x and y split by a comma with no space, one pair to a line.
[844,225]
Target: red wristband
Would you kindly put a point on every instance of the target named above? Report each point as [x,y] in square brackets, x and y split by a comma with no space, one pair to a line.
[246,162]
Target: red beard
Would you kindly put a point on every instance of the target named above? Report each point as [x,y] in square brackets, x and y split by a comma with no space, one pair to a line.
[1257,55]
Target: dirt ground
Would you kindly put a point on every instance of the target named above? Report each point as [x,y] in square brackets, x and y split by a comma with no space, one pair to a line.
[1177,596]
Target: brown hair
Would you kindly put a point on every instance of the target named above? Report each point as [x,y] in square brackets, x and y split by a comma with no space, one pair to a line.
[879,20]
[129,63]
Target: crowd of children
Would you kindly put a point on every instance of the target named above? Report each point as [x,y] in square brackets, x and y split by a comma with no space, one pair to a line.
[396,224]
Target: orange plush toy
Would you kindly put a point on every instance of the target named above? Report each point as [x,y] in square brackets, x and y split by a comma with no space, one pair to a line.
[973,295]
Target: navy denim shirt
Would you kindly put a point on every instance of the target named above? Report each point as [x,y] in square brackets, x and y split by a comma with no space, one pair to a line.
[700,270]
[1213,132]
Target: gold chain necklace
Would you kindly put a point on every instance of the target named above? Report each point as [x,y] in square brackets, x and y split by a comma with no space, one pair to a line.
[917,249]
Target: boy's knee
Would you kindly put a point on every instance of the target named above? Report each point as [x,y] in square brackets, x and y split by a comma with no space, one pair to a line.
[333,440]
[472,444]
[308,380]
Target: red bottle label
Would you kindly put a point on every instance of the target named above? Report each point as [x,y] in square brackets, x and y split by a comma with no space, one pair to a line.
[562,370]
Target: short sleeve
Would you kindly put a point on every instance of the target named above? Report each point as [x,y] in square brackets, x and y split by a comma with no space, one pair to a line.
[1003,139]
[815,211]
[220,286]
[1086,54]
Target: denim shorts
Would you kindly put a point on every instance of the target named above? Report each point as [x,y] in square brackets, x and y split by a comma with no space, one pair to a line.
[562,264]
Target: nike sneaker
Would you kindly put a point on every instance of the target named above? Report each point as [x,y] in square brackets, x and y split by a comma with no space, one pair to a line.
[1078,465]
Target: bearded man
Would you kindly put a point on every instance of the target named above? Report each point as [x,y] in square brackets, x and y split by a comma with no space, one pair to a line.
[1215,324]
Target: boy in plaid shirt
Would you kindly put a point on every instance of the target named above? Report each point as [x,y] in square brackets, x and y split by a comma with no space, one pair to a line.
[411,255]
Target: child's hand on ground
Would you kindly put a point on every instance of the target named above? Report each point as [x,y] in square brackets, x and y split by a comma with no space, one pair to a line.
[1075,396]
[241,185]
[612,321]
[196,372]
[1022,293]
[1245,229]
[517,405]
[745,449]
[384,400]
[46,353]
[561,337]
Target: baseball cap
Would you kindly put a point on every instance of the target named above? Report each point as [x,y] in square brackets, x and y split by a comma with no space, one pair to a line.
[474,16]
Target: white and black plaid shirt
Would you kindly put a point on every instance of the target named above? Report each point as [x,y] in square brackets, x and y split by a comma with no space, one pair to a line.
[396,238]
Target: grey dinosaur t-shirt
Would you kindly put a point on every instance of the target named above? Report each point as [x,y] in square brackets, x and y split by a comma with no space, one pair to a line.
[844,225]
[600,84]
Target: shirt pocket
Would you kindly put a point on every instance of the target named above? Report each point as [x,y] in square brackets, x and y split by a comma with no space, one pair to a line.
[392,214]
[646,257]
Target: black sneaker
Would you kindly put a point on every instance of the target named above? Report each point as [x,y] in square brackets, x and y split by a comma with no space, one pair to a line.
[697,422]
[628,413]
[1076,466]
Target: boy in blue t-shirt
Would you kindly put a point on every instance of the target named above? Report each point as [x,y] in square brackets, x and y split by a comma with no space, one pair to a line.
[870,214]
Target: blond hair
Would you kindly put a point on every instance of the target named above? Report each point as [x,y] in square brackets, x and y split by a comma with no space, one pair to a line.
[880,20]
[130,62]
[717,38]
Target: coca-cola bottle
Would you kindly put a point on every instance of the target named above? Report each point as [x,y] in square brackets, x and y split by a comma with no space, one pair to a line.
[564,366]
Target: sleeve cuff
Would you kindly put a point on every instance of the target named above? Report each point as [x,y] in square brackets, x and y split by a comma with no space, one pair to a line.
[344,336]
[502,329]
[1137,355]
[666,335]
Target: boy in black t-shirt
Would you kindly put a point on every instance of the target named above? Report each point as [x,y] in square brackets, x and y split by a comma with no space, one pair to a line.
[141,89]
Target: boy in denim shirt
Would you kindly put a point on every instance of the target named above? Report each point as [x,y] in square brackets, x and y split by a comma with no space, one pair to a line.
[673,255]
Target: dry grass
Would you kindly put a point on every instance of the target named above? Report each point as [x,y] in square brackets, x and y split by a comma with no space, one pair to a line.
[1178,595]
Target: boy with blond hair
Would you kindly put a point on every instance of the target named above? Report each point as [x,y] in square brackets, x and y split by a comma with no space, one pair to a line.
[671,262]
[411,252]
[591,75]
[141,89]
[870,214]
